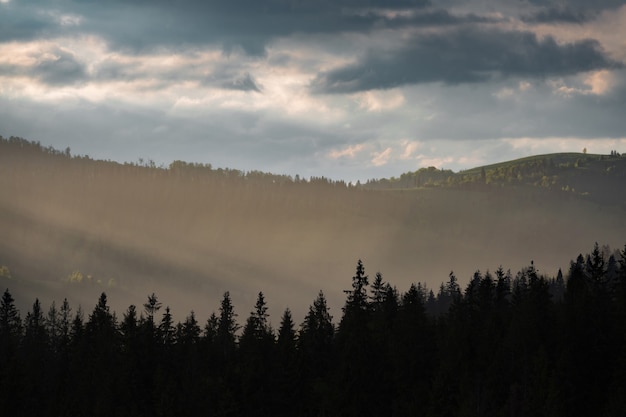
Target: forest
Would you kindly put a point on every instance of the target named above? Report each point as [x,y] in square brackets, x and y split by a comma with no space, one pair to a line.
[522,344]
[73,227]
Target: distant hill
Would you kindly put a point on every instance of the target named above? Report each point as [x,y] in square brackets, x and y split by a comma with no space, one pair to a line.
[189,232]
[599,178]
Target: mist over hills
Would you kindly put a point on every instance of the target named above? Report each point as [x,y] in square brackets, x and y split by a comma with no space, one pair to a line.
[74,227]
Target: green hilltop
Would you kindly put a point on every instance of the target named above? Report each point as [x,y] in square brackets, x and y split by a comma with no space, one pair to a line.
[600,178]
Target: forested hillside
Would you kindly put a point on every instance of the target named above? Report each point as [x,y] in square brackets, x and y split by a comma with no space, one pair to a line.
[74,227]
[502,345]
[598,178]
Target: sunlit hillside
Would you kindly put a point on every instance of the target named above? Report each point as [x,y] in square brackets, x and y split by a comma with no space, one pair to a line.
[73,226]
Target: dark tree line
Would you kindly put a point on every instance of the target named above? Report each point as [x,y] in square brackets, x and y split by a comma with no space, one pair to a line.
[16,147]
[522,345]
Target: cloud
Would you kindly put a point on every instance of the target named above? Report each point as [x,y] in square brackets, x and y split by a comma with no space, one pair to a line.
[596,5]
[48,64]
[570,11]
[148,25]
[414,82]
[465,56]
[427,18]
[409,149]
[597,83]
[376,101]
[349,152]
[242,25]
[244,82]
[58,66]
[556,15]
[381,158]
[22,22]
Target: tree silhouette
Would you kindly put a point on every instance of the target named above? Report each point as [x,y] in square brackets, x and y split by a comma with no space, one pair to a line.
[151,307]
[10,335]
[227,326]
[315,346]
[505,346]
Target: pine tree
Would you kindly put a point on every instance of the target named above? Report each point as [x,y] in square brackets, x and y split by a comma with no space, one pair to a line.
[378,290]
[35,330]
[227,326]
[210,328]
[166,329]
[10,322]
[286,333]
[65,323]
[315,348]
[256,348]
[151,307]
[102,370]
[189,332]
[287,394]
[357,296]
[10,371]
[411,354]
[101,321]
[36,363]
[257,327]
[53,327]
[129,328]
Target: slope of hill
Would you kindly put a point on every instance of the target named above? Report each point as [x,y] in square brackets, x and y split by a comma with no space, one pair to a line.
[72,225]
[599,178]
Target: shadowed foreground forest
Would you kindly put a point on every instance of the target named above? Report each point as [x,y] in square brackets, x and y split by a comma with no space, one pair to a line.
[505,345]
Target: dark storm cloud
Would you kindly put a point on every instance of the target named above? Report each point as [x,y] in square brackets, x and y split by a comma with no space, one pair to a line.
[245,24]
[554,15]
[465,56]
[20,22]
[569,11]
[580,4]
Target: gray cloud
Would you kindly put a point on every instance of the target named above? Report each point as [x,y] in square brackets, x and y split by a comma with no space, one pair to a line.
[225,74]
[54,66]
[569,11]
[21,22]
[244,82]
[580,4]
[439,17]
[165,111]
[555,15]
[59,67]
[478,112]
[246,24]
[465,56]
[123,132]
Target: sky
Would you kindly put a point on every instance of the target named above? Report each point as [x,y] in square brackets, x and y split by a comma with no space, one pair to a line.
[346,89]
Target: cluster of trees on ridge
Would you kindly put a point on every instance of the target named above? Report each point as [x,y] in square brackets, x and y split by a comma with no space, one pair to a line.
[34,152]
[523,345]
[553,172]
[544,171]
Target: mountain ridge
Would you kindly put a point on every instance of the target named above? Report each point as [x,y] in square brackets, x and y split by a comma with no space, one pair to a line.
[189,232]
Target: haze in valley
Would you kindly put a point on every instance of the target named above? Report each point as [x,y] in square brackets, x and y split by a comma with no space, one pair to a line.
[74,227]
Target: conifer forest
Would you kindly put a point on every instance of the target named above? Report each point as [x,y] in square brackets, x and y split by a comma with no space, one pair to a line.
[507,344]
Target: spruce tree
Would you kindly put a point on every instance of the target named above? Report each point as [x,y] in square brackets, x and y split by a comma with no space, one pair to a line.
[315,346]
[10,371]
[227,326]
[10,322]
